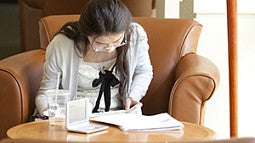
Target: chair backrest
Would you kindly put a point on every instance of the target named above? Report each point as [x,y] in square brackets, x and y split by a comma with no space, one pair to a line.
[33,10]
[169,40]
[141,8]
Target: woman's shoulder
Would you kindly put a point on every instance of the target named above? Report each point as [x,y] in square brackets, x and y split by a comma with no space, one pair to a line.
[138,36]
[60,42]
[60,46]
[137,29]
[61,39]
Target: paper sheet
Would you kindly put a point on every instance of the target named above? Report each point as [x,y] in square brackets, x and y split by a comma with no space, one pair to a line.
[136,122]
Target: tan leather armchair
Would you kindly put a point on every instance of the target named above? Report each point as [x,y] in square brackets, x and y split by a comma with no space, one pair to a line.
[183,81]
[33,10]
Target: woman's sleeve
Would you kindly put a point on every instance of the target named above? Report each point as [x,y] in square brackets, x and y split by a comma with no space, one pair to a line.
[49,78]
[143,74]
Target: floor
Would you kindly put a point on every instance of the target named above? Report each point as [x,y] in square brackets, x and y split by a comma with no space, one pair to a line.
[9,30]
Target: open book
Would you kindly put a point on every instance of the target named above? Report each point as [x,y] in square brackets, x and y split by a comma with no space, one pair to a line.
[138,122]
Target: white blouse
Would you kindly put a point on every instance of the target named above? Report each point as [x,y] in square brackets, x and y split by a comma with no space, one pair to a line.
[87,73]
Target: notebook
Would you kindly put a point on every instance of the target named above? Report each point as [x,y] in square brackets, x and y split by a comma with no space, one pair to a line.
[77,117]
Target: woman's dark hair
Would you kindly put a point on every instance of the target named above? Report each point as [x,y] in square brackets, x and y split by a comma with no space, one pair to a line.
[101,17]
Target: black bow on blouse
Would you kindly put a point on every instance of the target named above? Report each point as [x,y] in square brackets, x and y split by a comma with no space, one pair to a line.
[106,79]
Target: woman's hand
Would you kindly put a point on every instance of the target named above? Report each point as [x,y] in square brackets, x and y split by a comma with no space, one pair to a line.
[129,103]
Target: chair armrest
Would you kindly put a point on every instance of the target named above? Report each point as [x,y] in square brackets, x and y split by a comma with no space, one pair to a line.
[20,77]
[196,80]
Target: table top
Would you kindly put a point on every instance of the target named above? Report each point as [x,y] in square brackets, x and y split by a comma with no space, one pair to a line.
[42,129]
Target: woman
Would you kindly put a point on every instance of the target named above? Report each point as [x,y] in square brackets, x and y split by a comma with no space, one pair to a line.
[104,54]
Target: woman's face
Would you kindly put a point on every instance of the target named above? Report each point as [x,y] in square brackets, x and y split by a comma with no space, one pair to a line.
[107,43]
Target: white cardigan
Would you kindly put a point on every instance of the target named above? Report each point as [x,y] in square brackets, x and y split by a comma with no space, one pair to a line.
[62,57]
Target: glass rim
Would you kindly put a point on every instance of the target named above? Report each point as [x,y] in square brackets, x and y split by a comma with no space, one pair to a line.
[59,91]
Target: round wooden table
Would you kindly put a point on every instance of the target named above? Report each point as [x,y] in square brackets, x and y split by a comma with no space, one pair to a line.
[42,130]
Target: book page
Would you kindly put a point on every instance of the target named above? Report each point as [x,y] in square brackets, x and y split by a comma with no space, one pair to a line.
[136,122]
[136,109]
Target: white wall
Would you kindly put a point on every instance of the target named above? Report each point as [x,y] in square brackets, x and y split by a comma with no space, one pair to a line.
[213,45]
[167,8]
[212,14]
[246,74]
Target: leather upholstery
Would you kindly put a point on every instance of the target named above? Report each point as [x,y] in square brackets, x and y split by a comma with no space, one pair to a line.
[19,82]
[183,81]
[33,10]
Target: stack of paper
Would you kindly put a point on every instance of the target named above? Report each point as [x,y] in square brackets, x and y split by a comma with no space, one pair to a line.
[138,122]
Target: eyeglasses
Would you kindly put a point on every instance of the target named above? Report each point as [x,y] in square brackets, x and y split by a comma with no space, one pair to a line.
[102,47]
